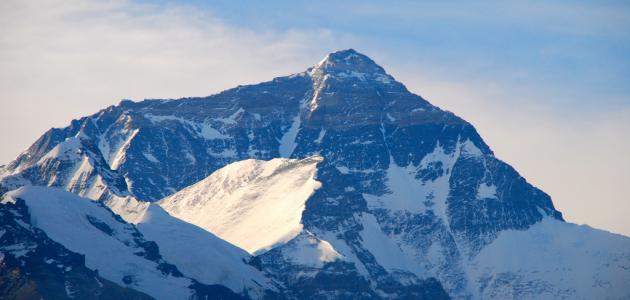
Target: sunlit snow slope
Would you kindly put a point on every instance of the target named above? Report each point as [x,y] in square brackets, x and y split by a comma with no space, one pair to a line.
[128,256]
[204,257]
[109,245]
[252,204]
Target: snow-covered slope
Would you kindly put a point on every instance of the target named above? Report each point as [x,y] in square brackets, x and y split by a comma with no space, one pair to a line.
[200,254]
[123,254]
[109,245]
[33,266]
[253,204]
[554,260]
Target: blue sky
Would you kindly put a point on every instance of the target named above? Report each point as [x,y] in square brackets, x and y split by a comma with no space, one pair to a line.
[545,83]
[580,48]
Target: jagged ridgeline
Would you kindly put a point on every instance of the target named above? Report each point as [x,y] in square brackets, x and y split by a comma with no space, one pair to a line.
[337,182]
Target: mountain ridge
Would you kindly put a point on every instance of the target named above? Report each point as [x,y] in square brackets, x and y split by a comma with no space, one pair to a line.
[411,196]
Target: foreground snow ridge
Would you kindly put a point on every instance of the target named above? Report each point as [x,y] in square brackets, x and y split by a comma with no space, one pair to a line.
[109,245]
[253,204]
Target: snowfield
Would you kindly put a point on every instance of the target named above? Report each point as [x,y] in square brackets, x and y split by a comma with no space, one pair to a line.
[554,260]
[111,246]
[253,204]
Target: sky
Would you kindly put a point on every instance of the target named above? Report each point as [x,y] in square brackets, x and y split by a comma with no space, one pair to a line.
[545,83]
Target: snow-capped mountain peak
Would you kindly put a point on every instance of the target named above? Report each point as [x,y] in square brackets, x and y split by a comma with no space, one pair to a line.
[350,64]
[341,182]
[347,69]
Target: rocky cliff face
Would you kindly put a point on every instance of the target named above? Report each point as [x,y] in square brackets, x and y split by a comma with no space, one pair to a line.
[410,194]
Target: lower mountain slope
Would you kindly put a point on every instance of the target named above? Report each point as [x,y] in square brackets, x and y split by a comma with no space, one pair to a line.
[549,259]
[32,266]
[122,254]
[554,260]
[200,254]
[258,205]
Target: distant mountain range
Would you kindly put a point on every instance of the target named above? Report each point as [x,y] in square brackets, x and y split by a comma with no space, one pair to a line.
[333,183]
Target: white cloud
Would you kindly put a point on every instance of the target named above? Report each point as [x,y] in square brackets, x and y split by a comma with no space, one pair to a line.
[65,59]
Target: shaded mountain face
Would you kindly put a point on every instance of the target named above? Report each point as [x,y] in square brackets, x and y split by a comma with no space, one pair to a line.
[409,194]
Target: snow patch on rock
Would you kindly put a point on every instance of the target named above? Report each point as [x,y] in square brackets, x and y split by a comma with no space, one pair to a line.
[308,250]
[485,191]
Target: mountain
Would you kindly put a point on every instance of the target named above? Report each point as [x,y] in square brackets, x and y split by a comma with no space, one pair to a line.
[33,266]
[129,255]
[338,181]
